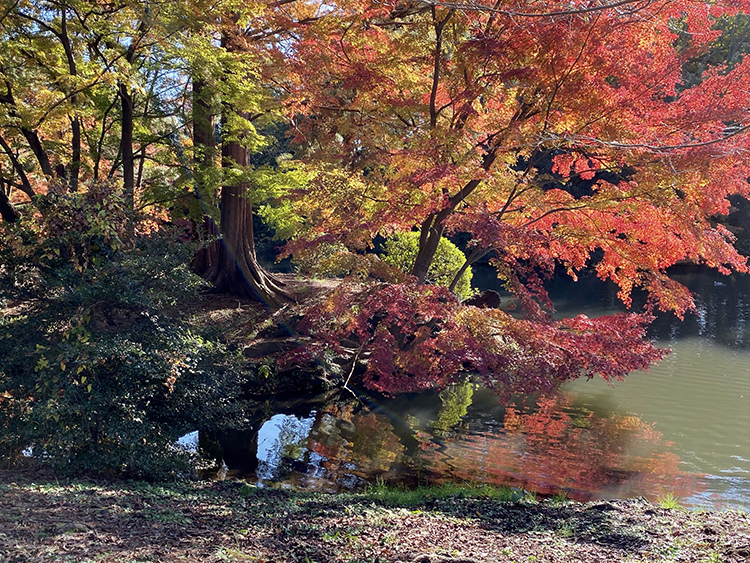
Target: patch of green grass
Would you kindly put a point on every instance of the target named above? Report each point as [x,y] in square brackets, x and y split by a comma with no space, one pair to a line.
[669,501]
[247,490]
[349,535]
[168,516]
[560,498]
[565,531]
[519,494]
[233,554]
[401,496]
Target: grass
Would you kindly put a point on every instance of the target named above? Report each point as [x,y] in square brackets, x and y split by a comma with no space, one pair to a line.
[669,501]
[401,496]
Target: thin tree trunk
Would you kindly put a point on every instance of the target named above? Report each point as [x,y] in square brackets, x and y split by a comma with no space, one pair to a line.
[75,122]
[126,146]
[431,231]
[473,257]
[75,163]
[433,227]
[18,168]
[35,144]
[7,211]
[41,155]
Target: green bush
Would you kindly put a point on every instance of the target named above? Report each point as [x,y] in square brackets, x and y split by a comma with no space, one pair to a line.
[322,262]
[94,376]
[401,251]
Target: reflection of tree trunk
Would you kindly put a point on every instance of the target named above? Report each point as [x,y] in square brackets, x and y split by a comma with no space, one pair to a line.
[238,449]
[230,263]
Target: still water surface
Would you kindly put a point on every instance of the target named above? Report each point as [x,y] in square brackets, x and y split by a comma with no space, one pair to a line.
[682,428]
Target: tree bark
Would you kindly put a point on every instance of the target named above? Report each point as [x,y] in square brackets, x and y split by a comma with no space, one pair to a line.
[431,231]
[18,168]
[230,263]
[433,227]
[7,211]
[126,146]
[75,122]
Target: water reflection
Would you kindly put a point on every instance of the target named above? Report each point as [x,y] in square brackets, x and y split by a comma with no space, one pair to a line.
[721,316]
[547,445]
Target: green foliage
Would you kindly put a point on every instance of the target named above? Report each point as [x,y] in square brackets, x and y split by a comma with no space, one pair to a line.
[456,401]
[322,262]
[401,251]
[57,248]
[92,377]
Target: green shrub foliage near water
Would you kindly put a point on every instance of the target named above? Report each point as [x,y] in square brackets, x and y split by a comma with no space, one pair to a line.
[92,378]
[401,251]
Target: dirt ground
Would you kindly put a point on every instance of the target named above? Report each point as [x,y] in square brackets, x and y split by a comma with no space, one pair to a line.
[45,519]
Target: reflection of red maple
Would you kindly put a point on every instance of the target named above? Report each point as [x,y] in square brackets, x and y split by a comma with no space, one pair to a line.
[362,444]
[550,449]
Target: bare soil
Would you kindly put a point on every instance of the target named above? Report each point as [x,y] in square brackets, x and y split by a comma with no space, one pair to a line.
[43,519]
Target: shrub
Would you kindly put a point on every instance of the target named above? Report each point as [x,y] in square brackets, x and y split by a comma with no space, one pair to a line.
[93,376]
[401,251]
[322,261]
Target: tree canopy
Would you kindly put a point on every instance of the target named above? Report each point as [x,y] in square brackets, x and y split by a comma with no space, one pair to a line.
[586,136]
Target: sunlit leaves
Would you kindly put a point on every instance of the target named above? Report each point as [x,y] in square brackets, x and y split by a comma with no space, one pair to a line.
[416,337]
[464,118]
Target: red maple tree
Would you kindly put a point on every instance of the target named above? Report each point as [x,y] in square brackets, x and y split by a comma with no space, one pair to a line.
[556,134]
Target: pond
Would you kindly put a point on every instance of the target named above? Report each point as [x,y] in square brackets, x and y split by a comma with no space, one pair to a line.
[681,429]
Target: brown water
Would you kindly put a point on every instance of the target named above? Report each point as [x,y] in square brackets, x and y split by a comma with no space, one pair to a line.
[683,428]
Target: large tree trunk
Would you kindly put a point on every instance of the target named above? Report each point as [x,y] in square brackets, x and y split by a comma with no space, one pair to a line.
[230,263]
[204,137]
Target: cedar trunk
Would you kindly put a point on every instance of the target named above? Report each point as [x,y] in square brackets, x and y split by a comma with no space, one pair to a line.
[230,263]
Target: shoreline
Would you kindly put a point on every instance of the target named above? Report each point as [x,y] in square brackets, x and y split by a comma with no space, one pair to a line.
[46,519]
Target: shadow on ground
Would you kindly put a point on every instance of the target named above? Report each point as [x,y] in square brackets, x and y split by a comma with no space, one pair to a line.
[230,521]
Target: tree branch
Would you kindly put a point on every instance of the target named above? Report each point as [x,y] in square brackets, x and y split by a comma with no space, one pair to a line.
[640,5]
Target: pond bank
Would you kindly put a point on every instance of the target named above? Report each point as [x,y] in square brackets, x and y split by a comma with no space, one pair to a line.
[43,519]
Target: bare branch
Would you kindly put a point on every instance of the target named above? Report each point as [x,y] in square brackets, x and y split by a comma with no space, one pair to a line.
[477,7]
[653,148]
